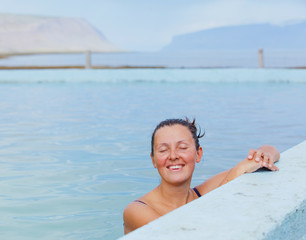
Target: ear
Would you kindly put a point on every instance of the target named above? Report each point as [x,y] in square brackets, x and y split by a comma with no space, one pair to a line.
[199,154]
[153,161]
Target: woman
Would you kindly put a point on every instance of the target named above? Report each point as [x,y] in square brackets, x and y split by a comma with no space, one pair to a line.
[175,150]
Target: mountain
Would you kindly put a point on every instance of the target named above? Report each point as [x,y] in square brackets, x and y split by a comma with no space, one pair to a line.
[243,37]
[22,34]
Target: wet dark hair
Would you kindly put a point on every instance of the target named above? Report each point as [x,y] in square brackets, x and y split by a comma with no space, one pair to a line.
[176,121]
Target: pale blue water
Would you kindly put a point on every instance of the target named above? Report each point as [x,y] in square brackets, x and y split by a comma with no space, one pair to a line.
[75,144]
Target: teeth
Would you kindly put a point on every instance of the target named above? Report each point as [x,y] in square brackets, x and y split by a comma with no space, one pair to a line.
[175,166]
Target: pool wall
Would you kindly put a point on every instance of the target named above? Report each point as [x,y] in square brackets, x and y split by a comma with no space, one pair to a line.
[262,205]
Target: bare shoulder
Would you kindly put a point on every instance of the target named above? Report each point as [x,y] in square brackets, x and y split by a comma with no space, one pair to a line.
[138,214]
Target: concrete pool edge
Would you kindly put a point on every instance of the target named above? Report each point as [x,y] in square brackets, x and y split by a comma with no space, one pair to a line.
[262,205]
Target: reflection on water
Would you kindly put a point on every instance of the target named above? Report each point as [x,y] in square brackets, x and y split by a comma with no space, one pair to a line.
[73,155]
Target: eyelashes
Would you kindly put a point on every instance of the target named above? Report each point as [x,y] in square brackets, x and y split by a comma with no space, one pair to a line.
[180,148]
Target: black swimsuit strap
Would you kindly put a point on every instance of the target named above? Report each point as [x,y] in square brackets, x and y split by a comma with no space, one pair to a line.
[194,189]
[140,202]
[197,192]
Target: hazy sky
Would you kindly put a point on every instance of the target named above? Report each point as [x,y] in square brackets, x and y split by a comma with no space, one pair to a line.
[144,25]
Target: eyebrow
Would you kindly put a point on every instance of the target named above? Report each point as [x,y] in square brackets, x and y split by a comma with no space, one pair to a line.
[162,144]
[179,142]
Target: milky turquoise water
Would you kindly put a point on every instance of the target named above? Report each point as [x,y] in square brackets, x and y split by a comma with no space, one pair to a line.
[75,144]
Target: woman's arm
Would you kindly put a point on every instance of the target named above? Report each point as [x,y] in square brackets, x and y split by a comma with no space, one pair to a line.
[265,156]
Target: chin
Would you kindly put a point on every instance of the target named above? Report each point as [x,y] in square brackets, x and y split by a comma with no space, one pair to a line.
[178,180]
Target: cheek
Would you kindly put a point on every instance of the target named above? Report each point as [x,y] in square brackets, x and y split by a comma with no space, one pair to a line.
[190,156]
[160,160]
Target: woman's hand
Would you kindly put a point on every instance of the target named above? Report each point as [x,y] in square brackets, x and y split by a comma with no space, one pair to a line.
[265,156]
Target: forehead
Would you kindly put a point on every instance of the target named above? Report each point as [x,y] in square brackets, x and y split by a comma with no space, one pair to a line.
[172,133]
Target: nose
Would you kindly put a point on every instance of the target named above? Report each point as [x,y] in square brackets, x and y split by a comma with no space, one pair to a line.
[173,155]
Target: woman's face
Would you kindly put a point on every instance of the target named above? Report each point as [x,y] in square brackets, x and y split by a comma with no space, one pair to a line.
[175,154]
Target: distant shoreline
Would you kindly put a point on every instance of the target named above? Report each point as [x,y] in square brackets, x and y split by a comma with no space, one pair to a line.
[75,67]
[118,67]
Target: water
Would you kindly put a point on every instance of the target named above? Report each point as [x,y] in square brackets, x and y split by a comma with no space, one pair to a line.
[75,144]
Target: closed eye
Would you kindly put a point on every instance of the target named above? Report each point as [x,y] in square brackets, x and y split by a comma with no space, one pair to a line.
[182,146]
[162,150]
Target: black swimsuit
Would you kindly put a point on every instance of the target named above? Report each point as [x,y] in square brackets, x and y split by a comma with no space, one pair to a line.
[194,189]
[197,192]
[140,202]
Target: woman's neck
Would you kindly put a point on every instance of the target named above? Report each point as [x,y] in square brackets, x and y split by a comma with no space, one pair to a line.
[174,196]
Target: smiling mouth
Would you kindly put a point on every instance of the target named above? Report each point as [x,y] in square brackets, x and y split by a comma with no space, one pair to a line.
[175,167]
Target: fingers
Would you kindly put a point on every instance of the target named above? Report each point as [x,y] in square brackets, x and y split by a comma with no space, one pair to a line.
[251,154]
[264,159]
[271,162]
[258,156]
[274,168]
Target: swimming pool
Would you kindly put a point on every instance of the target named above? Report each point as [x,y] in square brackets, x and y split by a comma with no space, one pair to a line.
[75,144]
